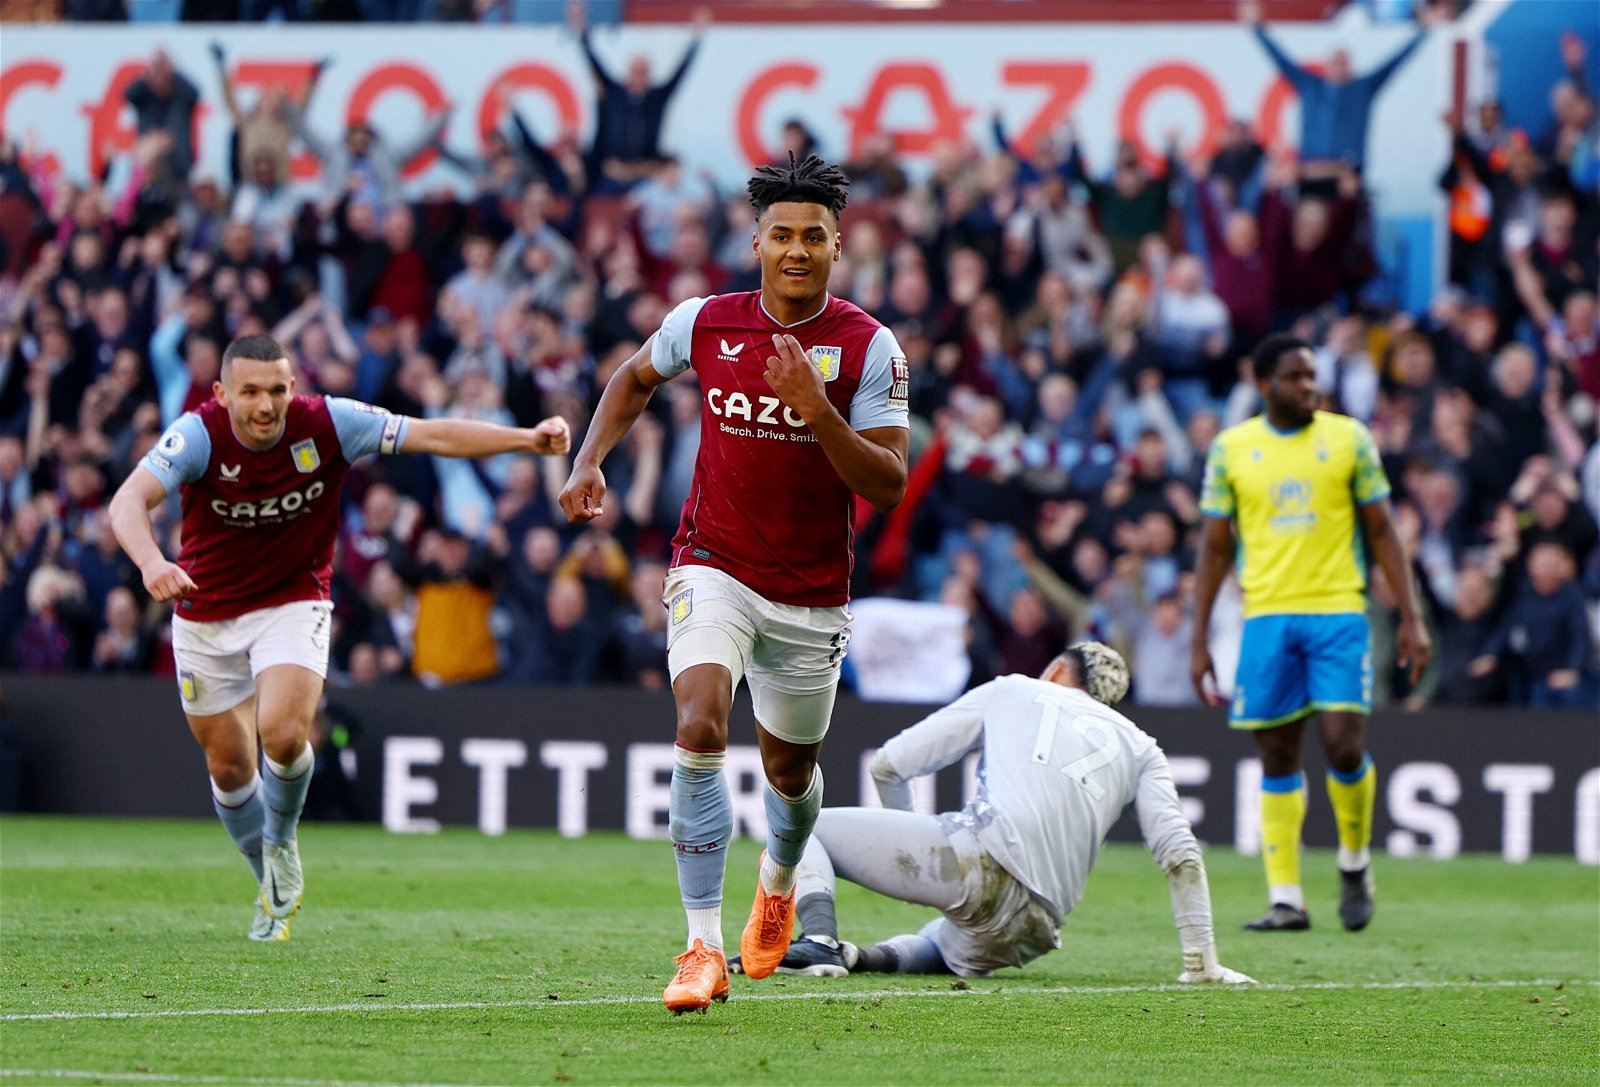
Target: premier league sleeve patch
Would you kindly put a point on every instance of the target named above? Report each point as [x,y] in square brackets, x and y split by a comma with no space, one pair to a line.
[171,443]
[682,606]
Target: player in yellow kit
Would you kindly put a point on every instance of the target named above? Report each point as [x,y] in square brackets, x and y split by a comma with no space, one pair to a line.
[1309,497]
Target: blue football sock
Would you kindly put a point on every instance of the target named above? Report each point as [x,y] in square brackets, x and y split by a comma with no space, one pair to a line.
[284,790]
[700,820]
[789,823]
[242,813]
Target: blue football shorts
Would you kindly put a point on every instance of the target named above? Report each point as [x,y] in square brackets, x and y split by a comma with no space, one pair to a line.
[1292,665]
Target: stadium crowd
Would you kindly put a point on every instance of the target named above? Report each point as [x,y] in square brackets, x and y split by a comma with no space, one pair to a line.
[1077,333]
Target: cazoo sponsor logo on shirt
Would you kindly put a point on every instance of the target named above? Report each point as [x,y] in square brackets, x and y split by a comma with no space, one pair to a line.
[273,508]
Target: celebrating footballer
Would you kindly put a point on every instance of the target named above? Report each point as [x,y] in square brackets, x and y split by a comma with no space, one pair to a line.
[803,409]
[260,470]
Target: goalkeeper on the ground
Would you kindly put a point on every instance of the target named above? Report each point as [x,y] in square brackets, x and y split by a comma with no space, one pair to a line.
[1058,766]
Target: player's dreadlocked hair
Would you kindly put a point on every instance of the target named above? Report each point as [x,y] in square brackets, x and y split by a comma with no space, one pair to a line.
[810,182]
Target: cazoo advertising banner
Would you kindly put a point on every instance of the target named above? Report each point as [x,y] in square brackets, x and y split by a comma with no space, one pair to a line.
[923,86]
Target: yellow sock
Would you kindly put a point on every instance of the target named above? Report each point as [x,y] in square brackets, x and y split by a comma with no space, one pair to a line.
[1283,813]
[1352,796]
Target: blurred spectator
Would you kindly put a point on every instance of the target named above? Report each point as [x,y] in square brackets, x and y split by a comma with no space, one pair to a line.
[379,639]
[454,585]
[375,534]
[103,568]
[262,133]
[1572,341]
[1572,128]
[1241,249]
[1131,203]
[122,647]
[54,639]
[1345,371]
[1464,634]
[1543,641]
[1391,683]
[1556,263]
[629,112]
[639,632]
[362,166]
[476,284]
[325,356]
[1336,104]
[1514,400]
[1189,326]
[164,101]
[1062,234]
[1160,642]
[571,639]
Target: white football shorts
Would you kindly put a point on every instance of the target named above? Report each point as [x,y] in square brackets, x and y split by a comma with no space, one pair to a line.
[788,653]
[997,923]
[218,662]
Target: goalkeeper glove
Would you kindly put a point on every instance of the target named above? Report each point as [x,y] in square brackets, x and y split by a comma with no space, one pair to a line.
[1200,967]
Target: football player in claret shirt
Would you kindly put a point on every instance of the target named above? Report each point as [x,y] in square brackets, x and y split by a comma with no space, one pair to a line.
[260,469]
[803,408]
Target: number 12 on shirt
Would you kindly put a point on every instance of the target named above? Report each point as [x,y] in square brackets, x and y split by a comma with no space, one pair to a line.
[1102,751]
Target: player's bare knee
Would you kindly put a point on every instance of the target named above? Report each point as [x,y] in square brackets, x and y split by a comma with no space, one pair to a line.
[789,772]
[703,700]
[233,769]
[1345,754]
[284,739]
[1344,741]
[702,730]
[1280,748]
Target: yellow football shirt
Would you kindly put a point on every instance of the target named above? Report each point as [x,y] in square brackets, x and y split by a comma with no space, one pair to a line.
[1293,498]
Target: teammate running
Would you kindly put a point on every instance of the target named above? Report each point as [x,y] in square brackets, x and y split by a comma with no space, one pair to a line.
[260,469]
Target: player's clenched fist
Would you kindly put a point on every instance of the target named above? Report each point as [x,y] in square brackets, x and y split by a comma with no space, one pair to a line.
[166,581]
[552,436]
[796,381]
[582,497]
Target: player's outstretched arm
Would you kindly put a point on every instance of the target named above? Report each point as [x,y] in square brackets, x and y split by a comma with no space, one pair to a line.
[472,438]
[626,395]
[130,509]
[872,463]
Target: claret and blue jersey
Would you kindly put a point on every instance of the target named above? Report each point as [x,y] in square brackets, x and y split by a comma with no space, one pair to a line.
[259,525]
[766,506]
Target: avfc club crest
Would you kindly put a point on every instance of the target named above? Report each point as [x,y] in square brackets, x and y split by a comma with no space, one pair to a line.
[826,360]
[682,605]
[305,455]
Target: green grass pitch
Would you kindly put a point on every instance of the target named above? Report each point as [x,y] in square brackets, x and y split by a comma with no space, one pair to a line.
[532,959]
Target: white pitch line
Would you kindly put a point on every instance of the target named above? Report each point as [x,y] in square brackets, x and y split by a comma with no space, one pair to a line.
[846,995]
[158,1077]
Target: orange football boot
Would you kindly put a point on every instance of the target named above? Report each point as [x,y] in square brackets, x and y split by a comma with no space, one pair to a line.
[765,939]
[702,977]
